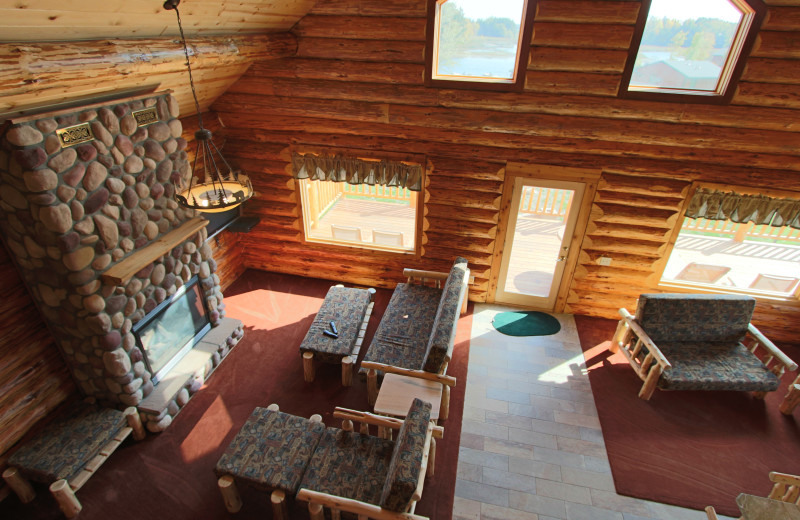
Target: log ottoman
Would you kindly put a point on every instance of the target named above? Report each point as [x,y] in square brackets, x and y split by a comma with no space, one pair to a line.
[69,451]
[270,452]
[336,334]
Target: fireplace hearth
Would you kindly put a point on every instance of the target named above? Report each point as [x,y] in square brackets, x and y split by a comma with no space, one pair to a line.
[88,192]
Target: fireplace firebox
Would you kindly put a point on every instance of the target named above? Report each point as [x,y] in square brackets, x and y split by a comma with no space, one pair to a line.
[170,330]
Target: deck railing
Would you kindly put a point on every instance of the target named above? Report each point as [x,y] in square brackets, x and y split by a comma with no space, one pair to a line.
[741,231]
[322,195]
[377,191]
[549,202]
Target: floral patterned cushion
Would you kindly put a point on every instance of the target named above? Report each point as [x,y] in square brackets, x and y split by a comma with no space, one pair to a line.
[714,366]
[346,306]
[66,445]
[349,465]
[694,317]
[440,345]
[405,327]
[401,481]
[271,451]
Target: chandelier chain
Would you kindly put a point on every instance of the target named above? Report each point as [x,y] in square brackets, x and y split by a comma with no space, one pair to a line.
[189,66]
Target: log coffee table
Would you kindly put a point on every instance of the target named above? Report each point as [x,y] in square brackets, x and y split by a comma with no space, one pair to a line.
[270,452]
[350,309]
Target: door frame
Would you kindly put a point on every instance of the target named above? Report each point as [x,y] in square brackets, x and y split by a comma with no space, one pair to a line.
[590,177]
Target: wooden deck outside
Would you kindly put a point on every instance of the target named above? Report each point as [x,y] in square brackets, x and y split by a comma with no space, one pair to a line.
[537,241]
[746,260]
[368,216]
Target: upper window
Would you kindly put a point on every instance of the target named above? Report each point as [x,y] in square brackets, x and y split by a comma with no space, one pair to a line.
[480,43]
[736,243]
[685,48]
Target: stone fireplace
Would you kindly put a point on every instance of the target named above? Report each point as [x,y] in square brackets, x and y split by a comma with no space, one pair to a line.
[87,213]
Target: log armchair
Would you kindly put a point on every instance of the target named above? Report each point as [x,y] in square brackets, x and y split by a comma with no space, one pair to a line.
[785,488]
[371,476]
[698,342]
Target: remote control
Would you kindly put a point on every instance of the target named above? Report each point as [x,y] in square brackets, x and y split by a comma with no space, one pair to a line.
[331,334]
[333,327]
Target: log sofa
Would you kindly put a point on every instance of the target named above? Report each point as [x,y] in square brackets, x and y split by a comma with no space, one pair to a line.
[698,342]
[416,335]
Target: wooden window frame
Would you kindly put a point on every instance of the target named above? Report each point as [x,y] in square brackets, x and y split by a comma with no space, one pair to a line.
[368,247]
[523,53]
[689,287]
[741,47]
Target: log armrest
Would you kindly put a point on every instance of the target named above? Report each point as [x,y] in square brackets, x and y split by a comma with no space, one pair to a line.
[419,374]
[382,422]
[317,501]
[421,276]
[629,339]
[373,368]
[773,351]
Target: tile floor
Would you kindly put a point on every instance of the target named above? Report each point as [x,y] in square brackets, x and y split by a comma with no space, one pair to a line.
[531,444]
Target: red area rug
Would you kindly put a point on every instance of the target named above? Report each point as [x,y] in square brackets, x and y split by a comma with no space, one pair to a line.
[690,449]
[170,475]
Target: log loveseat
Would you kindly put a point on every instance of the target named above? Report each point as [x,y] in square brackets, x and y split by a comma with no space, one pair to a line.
[698,342]
[416,335]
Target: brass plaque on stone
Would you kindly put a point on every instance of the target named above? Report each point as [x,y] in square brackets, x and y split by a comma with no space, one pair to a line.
[73,135]
[146,116]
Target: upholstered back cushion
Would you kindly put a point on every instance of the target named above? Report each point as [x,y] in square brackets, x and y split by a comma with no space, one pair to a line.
[695,317]
[406,464]
[440,344]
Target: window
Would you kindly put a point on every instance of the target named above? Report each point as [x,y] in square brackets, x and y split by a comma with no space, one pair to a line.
[690,50]
[760,255]
[478,44]
[359,202]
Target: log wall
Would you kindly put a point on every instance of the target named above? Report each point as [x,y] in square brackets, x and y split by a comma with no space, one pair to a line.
[33,376]
[357,83]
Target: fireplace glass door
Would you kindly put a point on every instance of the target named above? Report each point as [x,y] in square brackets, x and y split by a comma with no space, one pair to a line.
[172,328]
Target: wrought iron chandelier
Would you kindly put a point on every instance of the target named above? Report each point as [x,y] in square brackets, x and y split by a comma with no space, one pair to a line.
[218,191]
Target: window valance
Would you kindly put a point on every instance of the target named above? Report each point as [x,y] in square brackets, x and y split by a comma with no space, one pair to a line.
[338,168]
[720,205]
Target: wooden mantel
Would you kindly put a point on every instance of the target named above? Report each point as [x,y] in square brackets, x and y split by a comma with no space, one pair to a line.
[121,272]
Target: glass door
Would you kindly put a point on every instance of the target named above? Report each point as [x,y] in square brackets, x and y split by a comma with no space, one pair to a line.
[539,232]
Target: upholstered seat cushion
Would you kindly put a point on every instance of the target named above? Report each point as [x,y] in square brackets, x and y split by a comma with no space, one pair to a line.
[404,470]
[714,366]
[271,451]
[349,465]
[66,445]
[405,328]
[440,346]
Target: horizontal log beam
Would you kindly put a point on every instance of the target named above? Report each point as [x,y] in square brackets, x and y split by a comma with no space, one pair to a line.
[41,73]
[643,160]
[587,11]
[410,8]
[355,27]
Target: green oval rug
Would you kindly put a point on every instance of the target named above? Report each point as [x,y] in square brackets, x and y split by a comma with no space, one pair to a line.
[526,323]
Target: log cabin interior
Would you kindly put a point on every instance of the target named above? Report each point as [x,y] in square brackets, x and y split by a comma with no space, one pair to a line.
[281,81]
